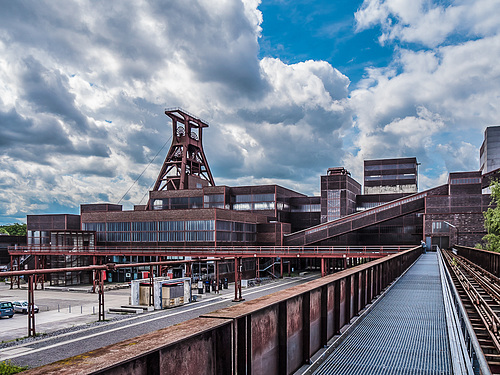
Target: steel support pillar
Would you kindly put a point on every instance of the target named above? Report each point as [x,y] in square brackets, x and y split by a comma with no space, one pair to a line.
[100,275]
[257,268]
[12,269]
[323,267]
[281,267]
[151,287]
[39,264]
[237,280]
[31,306]
[289,274]
[94,275]
[217,290]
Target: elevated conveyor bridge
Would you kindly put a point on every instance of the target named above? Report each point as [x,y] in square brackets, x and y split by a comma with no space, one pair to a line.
[358,220]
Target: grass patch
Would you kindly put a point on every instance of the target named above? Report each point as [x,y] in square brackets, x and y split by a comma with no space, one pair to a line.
[7,368]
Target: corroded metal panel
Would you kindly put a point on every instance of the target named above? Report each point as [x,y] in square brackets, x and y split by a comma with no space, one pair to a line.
[265,343]
[294,333]
[342,302]
[315,321]
[330,307]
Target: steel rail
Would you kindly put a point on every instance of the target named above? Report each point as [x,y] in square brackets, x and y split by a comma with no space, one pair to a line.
[490,319]
[460,359]
[487,280]
[230,251]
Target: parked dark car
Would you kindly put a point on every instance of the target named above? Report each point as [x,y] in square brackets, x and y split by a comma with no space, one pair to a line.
[22,307]
[6,309]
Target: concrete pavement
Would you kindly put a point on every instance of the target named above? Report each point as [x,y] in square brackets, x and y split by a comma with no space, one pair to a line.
[64,308]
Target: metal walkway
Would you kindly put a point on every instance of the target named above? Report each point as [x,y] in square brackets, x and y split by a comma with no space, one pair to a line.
[405,333]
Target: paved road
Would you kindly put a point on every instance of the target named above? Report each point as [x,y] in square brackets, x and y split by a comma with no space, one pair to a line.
[46,350]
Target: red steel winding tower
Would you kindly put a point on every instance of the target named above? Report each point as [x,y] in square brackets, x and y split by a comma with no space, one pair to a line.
[185,166]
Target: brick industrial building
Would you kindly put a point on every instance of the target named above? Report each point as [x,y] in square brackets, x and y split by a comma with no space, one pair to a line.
[186,209]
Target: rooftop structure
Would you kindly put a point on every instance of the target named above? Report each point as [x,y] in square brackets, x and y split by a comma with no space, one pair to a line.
[185,166]
[387,176]
[490,150]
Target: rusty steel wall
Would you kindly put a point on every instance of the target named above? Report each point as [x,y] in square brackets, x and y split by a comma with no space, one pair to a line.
[274,334]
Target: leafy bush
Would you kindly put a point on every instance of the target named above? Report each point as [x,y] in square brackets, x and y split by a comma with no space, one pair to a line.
[13,229]
[7,368]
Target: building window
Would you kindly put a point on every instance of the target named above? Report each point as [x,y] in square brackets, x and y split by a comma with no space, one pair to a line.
[181,203]
[332,205]
[251,202]
[440,227]
[409,176]
[387,167]
[228,231]
[213,201]
[144,231]
[464,181]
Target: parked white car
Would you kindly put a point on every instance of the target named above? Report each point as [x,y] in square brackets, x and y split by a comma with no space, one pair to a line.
[22,307]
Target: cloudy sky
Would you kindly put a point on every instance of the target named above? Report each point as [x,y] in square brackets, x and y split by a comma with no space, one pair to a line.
[289,88]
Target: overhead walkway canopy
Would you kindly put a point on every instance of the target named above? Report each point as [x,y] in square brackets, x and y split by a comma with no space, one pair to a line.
[358,220]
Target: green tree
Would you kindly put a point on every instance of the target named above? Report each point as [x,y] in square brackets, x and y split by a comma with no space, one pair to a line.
[492,219]
[14,229]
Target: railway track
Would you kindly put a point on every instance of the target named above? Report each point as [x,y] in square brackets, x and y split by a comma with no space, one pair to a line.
[479,291]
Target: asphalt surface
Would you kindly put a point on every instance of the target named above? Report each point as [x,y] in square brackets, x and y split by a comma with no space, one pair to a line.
[67,334]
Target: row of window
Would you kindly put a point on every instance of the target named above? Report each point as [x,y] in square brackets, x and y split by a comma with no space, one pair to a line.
[389,167]
[463,181]
[307,208]
[257,206]
[173,231]
[182,203]
[409,176]
[253,198]
[440,227]
[245,202]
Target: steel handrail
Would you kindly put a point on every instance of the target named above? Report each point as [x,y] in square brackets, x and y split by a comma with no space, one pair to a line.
[476,359]
[248,250]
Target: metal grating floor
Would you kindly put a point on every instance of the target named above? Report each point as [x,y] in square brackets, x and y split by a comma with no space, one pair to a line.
[405,333]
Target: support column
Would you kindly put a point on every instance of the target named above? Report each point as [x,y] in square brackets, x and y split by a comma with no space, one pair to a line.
[18,278]
[217,284]
[100,276]
[35,278]
[151,287]
[12,269]
[41,278]
[289,273]
[94,276]
[257,268]
[31,306]
[323,267]
[237,280]
[281,267]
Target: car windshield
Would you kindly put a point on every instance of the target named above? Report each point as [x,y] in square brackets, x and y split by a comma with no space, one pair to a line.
[24,303]
[5,304]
